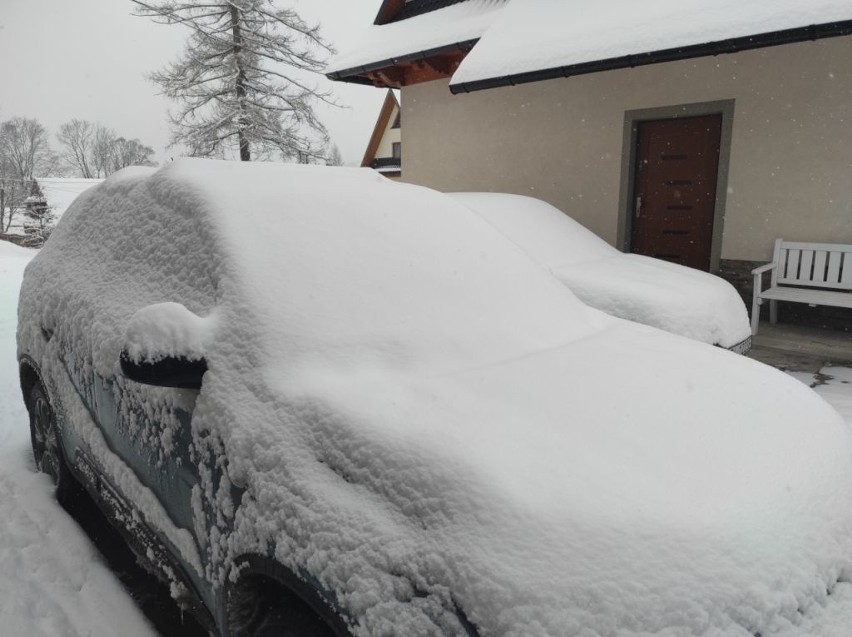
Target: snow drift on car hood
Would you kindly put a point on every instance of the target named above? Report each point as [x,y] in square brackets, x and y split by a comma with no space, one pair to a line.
[654,292]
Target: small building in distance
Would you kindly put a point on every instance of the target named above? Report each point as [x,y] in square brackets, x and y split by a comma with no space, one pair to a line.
[384,151]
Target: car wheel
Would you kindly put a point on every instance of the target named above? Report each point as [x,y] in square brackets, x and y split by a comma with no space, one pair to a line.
[282,621]
[47,450]
[264,609]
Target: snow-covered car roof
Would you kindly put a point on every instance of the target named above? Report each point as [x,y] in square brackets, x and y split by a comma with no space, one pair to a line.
[665,295]
[424,418]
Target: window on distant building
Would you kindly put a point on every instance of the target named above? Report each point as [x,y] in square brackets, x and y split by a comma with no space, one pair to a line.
[397,120]
[397,150]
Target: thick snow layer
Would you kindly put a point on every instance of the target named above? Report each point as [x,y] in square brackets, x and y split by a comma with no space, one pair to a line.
[165,329]
[671,297]
[532,35]
[60,192]
[422,417]
[451,25]
[52,580]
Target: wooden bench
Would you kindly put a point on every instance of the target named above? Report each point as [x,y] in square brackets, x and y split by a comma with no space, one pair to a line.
[812,273]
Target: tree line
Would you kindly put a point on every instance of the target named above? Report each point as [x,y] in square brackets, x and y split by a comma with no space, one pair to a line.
[245,88]
[83,149]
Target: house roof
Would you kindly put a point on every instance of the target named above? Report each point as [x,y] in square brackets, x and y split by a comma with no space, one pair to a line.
[545,38]
[395,10]
[528,40]
[388,107]
[445,28]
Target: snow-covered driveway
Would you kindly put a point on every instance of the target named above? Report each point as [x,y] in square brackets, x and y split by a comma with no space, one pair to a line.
[53,582]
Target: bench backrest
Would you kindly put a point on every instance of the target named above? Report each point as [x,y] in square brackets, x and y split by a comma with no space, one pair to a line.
[822,265]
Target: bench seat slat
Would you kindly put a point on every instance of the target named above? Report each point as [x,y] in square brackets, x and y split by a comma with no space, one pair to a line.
[834,258]
[815,297]
[846,273]
[807,260]
[819,266]
[791,270]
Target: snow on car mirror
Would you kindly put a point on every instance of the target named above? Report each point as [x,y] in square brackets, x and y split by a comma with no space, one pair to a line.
[165,345]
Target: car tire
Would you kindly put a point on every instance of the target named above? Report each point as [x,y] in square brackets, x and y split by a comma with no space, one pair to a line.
[47,446]
[282,621]
[272,611]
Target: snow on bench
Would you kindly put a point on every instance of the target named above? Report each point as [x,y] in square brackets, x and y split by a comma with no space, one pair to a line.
[812,273]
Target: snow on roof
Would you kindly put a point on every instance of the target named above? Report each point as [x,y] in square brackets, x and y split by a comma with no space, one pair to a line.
[60,192]
[529,36]
[444,27]
[533,35]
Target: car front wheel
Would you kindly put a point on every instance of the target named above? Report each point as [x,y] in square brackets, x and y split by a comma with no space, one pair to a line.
[46,446]
[260,607]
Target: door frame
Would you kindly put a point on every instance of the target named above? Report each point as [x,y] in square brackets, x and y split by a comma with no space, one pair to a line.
[626,196]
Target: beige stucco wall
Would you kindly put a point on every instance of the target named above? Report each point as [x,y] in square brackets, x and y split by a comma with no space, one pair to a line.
[562,140]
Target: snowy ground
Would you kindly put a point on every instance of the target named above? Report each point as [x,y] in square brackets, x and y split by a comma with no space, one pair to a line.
[53,582]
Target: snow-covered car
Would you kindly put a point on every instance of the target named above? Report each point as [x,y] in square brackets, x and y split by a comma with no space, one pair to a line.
[658,293]
[318,402]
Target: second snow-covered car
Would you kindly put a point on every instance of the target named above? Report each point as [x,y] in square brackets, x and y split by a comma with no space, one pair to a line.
[318,402]
[665,295]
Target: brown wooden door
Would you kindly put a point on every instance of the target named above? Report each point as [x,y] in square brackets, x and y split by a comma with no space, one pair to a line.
[675,189]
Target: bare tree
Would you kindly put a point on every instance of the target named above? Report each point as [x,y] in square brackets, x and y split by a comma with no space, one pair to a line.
[93,150]
[23,144]
[334,158]
[76,140]
[244,78]
[24,150]
[103,142]
[130,152]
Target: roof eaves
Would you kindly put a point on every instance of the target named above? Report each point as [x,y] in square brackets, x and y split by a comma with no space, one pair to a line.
[733,45]
[398,10]
[354,74]
[388,11]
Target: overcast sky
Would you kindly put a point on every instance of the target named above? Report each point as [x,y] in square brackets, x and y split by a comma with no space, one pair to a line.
[87,59]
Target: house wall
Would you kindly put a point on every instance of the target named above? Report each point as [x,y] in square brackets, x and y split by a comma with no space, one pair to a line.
[389,136]
[790,172]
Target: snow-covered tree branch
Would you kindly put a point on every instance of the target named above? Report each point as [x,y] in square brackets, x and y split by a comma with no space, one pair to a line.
[244,82]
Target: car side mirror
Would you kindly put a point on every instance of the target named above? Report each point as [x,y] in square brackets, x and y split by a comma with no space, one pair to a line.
[171,371]
[165,346]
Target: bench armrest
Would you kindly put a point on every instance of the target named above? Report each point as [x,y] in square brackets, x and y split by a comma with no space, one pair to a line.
[763,268]
[757,290]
